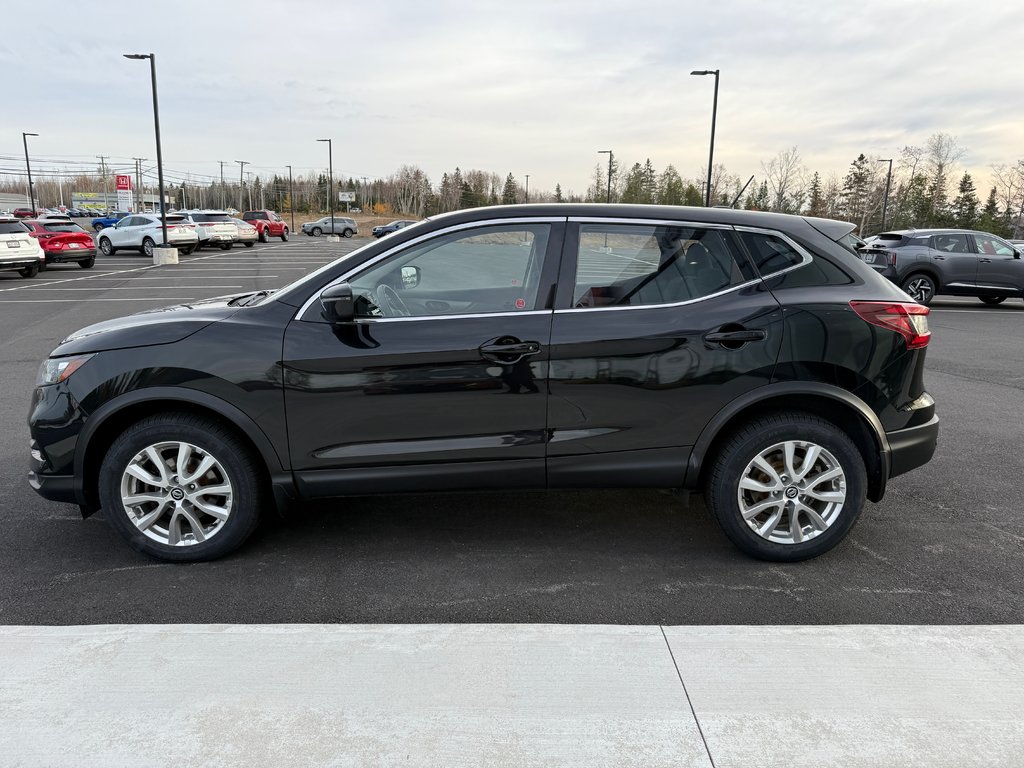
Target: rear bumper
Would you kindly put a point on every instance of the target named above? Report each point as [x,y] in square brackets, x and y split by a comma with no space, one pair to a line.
[70,254]
[20,262]
[912,447]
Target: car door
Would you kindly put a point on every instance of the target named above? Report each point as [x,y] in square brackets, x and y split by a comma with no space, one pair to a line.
[956,260]
[439,381]
[121,233]
[657,327]
[1000,267]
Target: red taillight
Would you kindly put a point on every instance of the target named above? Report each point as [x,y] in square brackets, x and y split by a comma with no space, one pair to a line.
[53,245]
[892,258]
[908,320]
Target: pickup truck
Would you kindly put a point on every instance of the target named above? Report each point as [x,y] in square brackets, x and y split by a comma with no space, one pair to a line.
[268,224]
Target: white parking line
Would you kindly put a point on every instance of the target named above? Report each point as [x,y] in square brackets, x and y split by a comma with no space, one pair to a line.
[79,301]
[89,277]
[145,288]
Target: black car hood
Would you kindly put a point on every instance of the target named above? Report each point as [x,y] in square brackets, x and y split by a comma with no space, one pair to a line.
[165,325]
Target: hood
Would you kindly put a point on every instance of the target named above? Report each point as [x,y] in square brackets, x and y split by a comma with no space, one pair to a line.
[145,329]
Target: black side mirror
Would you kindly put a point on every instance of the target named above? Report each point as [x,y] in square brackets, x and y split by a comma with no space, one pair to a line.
[337,303]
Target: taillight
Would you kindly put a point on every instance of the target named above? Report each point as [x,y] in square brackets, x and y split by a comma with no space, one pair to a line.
[53,245]
[892,258]
[908,320]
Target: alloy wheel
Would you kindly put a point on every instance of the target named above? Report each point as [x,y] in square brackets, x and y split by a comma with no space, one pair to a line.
[920,289]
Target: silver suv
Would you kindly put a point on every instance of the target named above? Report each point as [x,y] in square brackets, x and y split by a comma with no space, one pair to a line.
[960,262]
[342,225]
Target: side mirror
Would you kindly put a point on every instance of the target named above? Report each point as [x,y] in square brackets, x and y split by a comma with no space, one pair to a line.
[410,277]
[337,303]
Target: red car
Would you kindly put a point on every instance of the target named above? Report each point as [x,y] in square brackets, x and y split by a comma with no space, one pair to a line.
[64,241]
[268,224]
[23,213]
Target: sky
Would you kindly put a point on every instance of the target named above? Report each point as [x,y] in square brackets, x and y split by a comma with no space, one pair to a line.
[518,87]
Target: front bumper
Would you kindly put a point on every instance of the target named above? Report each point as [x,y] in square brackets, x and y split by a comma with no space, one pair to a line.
[912,447]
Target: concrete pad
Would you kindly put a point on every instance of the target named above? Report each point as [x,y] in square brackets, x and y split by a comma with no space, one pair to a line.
[334,238]
[856,695]
[291,695]
[163,256]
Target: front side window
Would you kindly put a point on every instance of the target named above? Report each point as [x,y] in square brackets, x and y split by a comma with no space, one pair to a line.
[993,246]
[637,265]
[480,270]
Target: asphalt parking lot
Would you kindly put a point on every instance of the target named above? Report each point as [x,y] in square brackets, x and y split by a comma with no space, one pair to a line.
[945,546]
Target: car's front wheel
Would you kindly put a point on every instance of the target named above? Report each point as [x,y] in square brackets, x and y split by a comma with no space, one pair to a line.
[181,488]
[147,247]
[992,300]
[920,287]
[787,487]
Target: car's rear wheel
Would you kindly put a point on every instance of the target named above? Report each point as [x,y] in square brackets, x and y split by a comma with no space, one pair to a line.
[920,287]
[226,246]
[87,263]
[97,227]
[181,487]
[284,235]
[29,271]
[186,250]
[787,487]
[147,247]
[317,231]
[106,248]
[347,232]
[992,300]
[264,235]
[249,245]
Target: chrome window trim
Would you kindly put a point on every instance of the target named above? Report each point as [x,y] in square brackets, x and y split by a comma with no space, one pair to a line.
[300,315]
[659,222]
[372,320]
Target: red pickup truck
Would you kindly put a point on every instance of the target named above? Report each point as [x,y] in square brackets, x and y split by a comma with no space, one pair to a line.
[268,224]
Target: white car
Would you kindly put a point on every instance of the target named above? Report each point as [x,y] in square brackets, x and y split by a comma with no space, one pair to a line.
[18,249]
[143,232]
[247,233]
[212,227]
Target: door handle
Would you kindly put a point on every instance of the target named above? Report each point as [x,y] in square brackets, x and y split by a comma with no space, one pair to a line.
[508,349]
[735,337]
[984,261]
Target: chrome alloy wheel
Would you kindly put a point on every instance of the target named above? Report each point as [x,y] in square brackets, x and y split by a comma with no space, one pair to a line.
[792,492]
[176,493]
[920,290]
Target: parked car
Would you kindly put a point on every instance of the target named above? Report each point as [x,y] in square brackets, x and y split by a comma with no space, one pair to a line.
[268,224]
[342,225]
[212,227]
[107,220]
[959,262]
[19,250]
[24,213]
[746,354]
[63,241]
[247,234]
[144,231]
[394,226]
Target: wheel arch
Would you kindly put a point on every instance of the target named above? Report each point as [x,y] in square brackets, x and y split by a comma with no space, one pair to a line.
[109,421]
[838,406]
[922,268]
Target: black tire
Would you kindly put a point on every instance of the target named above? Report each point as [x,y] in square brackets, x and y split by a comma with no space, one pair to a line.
[226,246]
[242,470]
[29,271]
[265,234]
[739,450]
[992,300]
[147,247]
[249,245]
[106,248]
[347,232]
[88,263]
[185,251]
[317,232]
[920,287]
[97,227]
[284,235]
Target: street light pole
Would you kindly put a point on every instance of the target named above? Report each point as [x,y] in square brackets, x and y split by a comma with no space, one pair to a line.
[28,167]
[159,151]
[611,155]
[527,187]
[291,197]
[241,182]
[885,202]
[330,178]
[714,116]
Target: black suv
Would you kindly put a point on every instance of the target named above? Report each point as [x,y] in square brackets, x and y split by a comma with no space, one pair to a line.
[961,262]
[745,354]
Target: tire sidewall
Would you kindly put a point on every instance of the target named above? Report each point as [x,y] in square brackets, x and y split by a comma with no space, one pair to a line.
[723,485]
[233,457]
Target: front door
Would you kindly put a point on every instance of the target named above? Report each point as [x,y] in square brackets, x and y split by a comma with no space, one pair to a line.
[956,260]
[1000,268]
[657,327]
[440,381]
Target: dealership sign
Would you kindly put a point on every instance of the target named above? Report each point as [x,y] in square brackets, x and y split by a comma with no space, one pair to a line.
[124,192]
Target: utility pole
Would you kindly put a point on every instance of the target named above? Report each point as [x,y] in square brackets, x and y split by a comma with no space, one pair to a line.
[60,187]
[362,194]
[106,187]
[241,182]
[140,199]
[527,187]
[223,201]
[714,118]
[611,157]
[291,197]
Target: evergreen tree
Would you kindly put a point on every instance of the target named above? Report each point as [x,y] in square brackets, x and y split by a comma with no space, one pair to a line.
[966,204]
[633,186]
[692,196]
[670,187]
[510,192]
[760,201]
[854,193]
[558,194]
[990,214]
[649,183]
[816,201]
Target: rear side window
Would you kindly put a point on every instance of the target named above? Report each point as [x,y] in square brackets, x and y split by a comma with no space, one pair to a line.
[769,253]
[951,243]
[643,265]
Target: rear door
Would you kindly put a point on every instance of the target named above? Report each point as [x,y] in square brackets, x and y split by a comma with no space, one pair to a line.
[658,326]
[956,260]
[1000,268]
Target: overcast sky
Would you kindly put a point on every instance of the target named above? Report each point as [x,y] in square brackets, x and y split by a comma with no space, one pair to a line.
[523,87]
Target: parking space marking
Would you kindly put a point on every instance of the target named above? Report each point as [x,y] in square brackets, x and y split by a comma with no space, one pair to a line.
[112,298]
[146,288]
[89,277]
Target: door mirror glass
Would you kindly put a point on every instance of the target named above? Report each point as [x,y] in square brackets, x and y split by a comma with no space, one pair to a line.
[337,303]
[410,277]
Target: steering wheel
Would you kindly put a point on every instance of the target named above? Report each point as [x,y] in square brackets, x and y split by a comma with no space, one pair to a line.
[390,303]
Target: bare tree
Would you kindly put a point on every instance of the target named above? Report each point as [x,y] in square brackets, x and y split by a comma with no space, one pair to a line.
[786,177]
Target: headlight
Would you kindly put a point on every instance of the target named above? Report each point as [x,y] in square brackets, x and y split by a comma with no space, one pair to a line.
[57,369]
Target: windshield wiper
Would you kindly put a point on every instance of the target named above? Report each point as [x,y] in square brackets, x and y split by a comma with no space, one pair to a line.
[248,299]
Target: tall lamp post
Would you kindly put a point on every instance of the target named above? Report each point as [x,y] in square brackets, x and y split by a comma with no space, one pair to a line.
[527,187]
[291,197]
[885,201]
[330,178]
[159,151]
[241,182]
[714,116]
[28,167]
[611,156]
